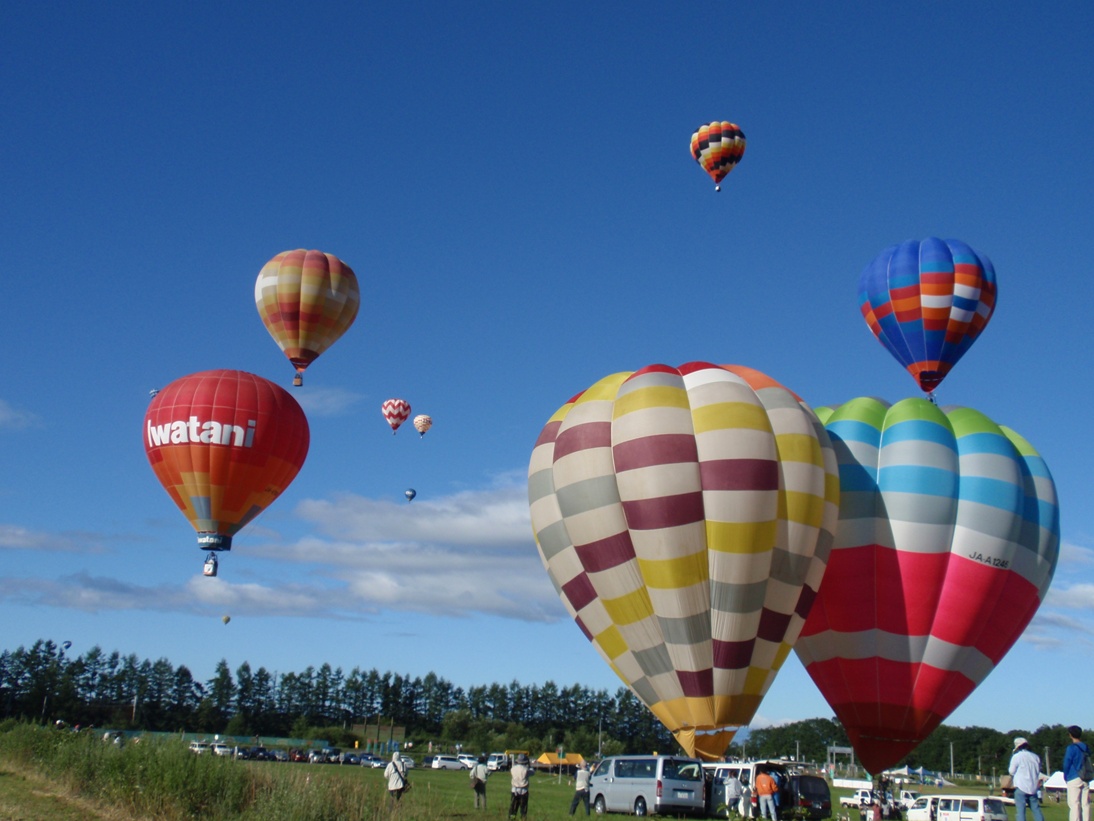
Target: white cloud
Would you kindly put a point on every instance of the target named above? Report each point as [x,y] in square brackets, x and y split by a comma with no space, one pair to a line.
[14,418]
[328,401]
[14,537]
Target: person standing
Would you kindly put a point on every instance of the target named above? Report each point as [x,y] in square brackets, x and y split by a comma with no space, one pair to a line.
[1078,788]
[581,788]
[746,800]
[395,773]
[1025,770]
[733,792]
[765,787]
[479,773]
[518,775]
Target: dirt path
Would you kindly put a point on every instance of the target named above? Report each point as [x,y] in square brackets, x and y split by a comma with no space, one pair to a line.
[26,796]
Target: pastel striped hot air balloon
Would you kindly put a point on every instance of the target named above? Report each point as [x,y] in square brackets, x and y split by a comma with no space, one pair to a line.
[307,300]
[947,541]
[718,148]
[685,516]
[224,444]
[422,423]
[927,302]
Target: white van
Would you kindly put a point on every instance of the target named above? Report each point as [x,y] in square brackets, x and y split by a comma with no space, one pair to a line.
[643,784]
[924,808]
[971,808]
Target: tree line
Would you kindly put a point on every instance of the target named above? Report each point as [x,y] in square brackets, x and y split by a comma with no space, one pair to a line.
[43,683]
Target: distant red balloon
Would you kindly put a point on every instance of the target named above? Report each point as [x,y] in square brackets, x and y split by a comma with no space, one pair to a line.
[224,444]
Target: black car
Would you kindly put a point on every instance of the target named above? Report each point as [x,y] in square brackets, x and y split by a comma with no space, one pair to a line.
[805,796]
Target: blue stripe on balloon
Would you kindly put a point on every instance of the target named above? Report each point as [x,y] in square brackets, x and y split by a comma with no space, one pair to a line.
[991,492]
[993,443]
[920,480]
[919,429]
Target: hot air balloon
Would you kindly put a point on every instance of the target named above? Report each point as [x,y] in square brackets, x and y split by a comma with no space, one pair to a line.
[718,148]
[684,516]
[410,494]
[307,300]
[947,541]
[422,423]
[395,412]
[927,302]
[226,619]
[224,444]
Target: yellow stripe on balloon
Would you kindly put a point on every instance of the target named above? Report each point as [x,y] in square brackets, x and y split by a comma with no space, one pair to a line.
[802,508]
[631,608]
[612,643]
[730,416]
[658,396]
[673,574]
[741,537]
[799,447]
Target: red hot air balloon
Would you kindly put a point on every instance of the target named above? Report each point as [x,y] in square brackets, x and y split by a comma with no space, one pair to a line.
[947,541]
[395,411]
[307,300]
[224,444]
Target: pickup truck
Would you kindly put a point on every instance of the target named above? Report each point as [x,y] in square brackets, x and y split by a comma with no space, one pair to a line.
[857,798]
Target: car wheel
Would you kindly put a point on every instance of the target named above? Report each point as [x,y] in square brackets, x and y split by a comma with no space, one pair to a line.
[640,806]
[599,805]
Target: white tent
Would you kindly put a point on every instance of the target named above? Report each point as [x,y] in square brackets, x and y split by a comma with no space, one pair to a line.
[1056,781]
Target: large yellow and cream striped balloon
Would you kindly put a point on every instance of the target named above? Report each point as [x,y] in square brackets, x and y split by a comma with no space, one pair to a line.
[685,516]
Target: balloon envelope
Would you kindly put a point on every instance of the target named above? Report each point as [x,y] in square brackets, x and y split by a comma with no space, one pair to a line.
[307,300]
[422,423]
[226,619]
[224,444]
[684,516]
[718,148]
[410,494]
[947,541]
[927,302]
[395,411]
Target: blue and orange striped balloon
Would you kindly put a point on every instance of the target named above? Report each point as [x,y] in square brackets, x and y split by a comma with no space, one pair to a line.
[927,302]
[947,542]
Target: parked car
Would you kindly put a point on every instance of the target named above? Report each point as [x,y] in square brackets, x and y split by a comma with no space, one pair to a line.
[803,795]
[221,749]
[298,755]
[257,753]
[971,808]
[348,758]
[447,762]
[924,808]
[408,762]
[497,761]
[366,759]
[278,755]
[467,760]
[642,784]
[317,757]
[199,747]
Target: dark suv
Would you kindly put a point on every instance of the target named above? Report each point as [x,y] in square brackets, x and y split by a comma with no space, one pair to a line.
[805,796]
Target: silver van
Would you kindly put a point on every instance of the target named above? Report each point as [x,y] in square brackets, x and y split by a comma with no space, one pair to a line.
[971,808]
[644,784]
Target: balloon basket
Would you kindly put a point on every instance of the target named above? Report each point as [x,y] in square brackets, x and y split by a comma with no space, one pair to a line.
[297,381]
[210,566]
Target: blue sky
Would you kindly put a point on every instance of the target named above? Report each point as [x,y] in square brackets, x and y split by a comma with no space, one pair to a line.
[512,184]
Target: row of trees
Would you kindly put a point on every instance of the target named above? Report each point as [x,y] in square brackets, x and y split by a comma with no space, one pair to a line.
[42,683]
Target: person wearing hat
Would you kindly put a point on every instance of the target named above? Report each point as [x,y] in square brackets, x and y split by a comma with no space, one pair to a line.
[518,774]
[1078,788]
[1025,769]
[581,788]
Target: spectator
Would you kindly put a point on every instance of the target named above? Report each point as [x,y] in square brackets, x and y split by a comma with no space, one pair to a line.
[1078,788]
[1025,770]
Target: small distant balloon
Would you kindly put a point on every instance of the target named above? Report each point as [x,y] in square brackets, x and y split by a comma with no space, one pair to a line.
[65,645]
[422,423]
[718,148]
[226,619]
[152,393]
[396,411]
[410,494]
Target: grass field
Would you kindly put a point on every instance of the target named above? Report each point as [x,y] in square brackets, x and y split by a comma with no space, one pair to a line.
[45,774]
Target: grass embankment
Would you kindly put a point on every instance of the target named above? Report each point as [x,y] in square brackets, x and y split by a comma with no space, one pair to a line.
[45,773]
